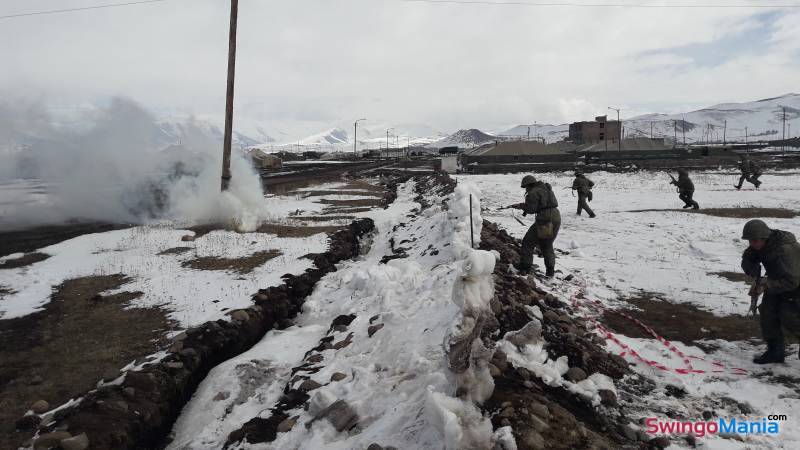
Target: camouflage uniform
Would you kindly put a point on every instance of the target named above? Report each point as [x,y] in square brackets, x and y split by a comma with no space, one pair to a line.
[750,172]
[540,200]
[584,187]
[685,189]
[779,307]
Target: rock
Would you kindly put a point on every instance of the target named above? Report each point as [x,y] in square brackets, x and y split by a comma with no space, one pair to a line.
[505,423]
[261,297]
[222,395]
[523,373]
[732,436]
[374,318]
[374,446]
[27,422]
[240,315]
[500,359]
[533,440]
[374,329]
[341,415]
[529,334]
[642,436]
[188,238]
[111,375]
[36,380]
[287,424]
[538,424]
[691,440]
[340,328]
[176,347]
[707,415]
[660,442]
[528,384]
[309,385]
[50,440]
[506,404]
[344,342]
[550,316]
[180,337]
[494,371]
[315,358]
[338,376]
[129,392]
[79,442]
[575,374]
[40,407]
[174,365]
[507,412]
[607,397]
[629,433]
[540,410]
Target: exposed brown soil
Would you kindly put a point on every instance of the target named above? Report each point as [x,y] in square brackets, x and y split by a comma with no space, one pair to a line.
[28,240]
[175,251]
[354,203]
[681,322]
[295,231]
[25,260]
[734,213]
[79,338]
[363,185]
[323,218]
[336,210]
[5,290]
[736,277]
[319,193]
[241,265]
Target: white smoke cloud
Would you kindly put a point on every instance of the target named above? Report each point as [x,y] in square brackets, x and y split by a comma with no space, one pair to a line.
[116,164]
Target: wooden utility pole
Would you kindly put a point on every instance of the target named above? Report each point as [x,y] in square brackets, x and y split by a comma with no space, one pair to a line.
[724,132]
[226,146]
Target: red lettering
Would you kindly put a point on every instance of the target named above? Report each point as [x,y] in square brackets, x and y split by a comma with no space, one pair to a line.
[651,422]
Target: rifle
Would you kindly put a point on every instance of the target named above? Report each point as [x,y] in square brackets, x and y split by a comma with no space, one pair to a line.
[674,181]
[518,221]
[754,294]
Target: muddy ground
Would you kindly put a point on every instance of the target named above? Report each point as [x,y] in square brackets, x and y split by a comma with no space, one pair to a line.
[734,213]
[79,338]
[28,240]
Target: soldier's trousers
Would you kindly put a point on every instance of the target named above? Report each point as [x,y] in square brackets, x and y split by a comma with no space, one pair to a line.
[686,196]
[531,241]
[752,179]
[583,205]
[778,312]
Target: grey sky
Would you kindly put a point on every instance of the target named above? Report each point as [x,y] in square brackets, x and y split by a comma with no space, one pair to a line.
[304,65]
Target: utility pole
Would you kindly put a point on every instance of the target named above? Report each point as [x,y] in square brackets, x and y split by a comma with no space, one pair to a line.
[529,133]
[745,136]
[387,141]
[651,131]
[226,145]
[619,129]
[355,136]
[783,144]
[675,131]
[724,132]
[683,126]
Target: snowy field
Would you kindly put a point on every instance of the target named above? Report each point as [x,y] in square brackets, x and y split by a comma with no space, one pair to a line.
[640,243]
[190,296]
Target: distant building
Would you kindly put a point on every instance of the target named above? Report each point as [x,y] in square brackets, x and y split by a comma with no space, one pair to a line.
[599,130]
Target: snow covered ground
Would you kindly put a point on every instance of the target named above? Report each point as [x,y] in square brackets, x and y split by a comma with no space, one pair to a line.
[190,296]
[397,381]
[639,243]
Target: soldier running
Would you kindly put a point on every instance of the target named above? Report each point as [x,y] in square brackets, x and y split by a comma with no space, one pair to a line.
[539,200]
[750,172]
[685,189]
[584,187]
[779,253]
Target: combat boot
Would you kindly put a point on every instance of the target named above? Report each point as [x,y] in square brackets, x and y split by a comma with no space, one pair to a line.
[774,354]
[550,272]
[696,206]
[592,215]
[522,270]
[737,187]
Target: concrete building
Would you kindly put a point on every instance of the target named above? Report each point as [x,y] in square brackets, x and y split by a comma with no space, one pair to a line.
[599,130]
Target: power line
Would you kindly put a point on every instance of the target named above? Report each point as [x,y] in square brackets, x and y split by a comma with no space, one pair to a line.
[605,5]
[83,8]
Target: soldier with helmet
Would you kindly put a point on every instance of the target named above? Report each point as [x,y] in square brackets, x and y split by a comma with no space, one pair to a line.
[541,201]
[750,172]
[584,187]
[685,189]
[779,252]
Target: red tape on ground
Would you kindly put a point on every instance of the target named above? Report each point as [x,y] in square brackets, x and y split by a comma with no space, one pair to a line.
[627,350]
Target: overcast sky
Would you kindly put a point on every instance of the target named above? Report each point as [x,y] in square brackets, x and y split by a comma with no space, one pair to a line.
[305,64]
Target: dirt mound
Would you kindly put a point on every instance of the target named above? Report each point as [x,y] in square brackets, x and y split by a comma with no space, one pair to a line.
[139,410]
[35,238]
[543,416]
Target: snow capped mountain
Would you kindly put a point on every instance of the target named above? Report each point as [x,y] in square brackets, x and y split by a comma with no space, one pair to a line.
[762,118]
[333,136]
[464,138]
[551,133]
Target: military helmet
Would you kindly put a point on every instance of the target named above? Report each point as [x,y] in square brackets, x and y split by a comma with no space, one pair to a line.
[578,172]
[755,229]
[526,180]
[682,172]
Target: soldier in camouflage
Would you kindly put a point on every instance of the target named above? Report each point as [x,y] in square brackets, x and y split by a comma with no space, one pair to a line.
[685,189]
[541,201]
[584,187]
[750,172]
[779,253]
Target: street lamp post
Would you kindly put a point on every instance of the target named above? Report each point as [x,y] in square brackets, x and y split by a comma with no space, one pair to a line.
[355,136]
[619,128]
[387,141]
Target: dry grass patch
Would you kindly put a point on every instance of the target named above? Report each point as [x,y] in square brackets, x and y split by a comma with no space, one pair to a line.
[243,265]
[79,338]
[25,260]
